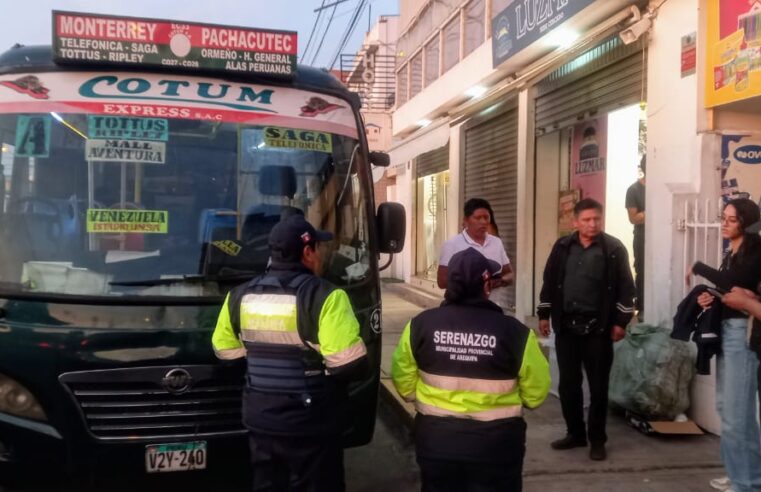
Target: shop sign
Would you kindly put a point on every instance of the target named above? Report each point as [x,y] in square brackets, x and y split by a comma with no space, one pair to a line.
[102,39]
[525,21]
[733,58]
[288,138]
[103,220]
[127,128]
[588,162]
[137,151]
[689,54]
[740,169]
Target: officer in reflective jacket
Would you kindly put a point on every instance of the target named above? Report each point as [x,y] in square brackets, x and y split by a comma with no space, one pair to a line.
[470,371]
[302,344]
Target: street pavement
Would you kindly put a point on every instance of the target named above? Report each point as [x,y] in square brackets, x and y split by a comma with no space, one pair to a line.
[385,464]
[636,462]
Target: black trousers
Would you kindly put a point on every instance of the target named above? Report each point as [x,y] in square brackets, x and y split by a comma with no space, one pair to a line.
[593,353]
[297,464]
[639,269]
[458,476]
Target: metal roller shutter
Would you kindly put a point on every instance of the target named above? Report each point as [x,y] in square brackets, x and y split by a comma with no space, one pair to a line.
[433,162]
[491,172]
[608,77]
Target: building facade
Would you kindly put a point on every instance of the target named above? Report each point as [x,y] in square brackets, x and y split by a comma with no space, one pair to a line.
[535,104]
[371,73]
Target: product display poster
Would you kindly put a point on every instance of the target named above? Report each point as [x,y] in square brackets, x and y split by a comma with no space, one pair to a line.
[733,58]
[566,201]
[588,151]
[740,169]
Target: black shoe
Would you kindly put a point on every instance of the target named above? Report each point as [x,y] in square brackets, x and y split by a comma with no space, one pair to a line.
[597,452]
[568,442]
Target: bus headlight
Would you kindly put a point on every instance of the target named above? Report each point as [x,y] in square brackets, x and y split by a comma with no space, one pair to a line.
[19,401]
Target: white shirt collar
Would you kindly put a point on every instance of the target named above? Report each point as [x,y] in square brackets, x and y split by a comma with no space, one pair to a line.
[472,241]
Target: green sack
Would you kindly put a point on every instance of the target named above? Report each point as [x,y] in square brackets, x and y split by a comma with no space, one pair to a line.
[652,373]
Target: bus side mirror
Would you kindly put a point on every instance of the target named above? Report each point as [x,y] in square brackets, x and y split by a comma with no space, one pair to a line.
[379,159]
[391,223]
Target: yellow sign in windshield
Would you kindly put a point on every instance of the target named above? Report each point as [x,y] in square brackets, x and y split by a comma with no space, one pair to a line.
[289,138]
[231,248]
[103,220]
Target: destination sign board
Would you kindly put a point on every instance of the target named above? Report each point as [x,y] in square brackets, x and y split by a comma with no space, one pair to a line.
[127,128]
[121,221]
[139,151]
[103,39]
[288,138]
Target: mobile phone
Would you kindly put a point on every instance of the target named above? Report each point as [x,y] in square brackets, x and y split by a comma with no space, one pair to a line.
[715,292]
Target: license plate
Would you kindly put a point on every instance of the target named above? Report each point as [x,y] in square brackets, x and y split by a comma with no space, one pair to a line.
[180,456]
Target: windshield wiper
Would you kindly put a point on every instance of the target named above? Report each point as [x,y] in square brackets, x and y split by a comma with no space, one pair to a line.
[239,276]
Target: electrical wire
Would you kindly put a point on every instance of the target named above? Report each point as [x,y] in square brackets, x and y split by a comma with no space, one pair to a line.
[349,27]
[324,34]
[349,31]
[314,27]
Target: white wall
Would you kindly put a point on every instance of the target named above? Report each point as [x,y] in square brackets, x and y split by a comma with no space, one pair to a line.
[673,152]
[456,181]
[677,156]
[405,195]
[524,276]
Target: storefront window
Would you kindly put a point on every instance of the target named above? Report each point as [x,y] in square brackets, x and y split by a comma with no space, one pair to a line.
[432,61]
[474,26]
[432,218]
[451,35]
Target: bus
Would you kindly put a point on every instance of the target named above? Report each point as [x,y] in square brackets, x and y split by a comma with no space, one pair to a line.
[144,163]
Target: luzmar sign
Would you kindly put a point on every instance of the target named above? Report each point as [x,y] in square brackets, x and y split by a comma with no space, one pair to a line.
[525,21]
[79,37]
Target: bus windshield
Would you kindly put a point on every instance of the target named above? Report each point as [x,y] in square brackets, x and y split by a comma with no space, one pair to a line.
[125,184]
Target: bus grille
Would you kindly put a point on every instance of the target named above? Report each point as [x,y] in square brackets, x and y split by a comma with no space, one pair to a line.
[134,404]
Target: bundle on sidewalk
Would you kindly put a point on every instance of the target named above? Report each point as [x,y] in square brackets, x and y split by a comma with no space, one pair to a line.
[650,380]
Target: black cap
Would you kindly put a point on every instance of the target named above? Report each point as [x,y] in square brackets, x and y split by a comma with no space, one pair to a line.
[290,235]
[466,273]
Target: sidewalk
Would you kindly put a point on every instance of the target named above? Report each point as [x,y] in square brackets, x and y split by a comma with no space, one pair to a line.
[635,462]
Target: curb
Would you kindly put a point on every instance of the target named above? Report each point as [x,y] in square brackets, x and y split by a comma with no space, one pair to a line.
[414,295]
[405,411]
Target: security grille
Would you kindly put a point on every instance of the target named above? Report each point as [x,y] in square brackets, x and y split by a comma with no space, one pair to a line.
[491,172]
[607,77]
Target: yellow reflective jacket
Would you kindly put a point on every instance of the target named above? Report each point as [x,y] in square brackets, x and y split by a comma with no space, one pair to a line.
[470,361]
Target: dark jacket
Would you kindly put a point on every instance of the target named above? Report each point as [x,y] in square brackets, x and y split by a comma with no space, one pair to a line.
[617,306]
[470,370]
[302,343]
[703,327]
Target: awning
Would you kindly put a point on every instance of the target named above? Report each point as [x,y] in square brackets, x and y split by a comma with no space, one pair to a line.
[420,143]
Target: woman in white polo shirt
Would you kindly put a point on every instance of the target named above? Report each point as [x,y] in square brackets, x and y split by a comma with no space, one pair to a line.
[478,217]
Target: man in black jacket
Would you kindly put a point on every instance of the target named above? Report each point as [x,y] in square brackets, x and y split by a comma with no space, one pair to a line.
[588,293]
